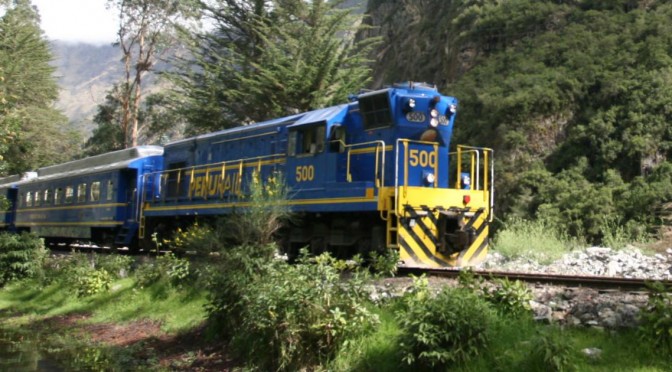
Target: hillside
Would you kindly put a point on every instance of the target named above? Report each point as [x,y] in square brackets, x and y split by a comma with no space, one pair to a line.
[85,72]
[574,96]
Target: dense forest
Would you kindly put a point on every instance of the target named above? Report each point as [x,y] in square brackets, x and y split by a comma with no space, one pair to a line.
[574,95]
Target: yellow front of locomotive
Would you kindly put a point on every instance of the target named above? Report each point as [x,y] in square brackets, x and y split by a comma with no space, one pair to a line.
[439,205]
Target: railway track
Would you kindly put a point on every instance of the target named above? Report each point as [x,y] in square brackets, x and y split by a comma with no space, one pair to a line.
[598,282]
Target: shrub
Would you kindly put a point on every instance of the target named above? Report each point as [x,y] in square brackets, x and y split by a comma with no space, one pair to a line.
[197,238]
[268,210]
[449,328]
[168,268]
[510,297]
[385,263]
[91,282]
[21,256]
[288,317]
[552,351]
[656,318]
[117,265]
[79,272]
[238,269]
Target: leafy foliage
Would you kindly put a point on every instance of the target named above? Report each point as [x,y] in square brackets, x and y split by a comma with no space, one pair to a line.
[257,223]
[656,318]
[574,96]
[117,265]
[200,238]
[552,351]
[21,256]
[279,57]
[91,282]
[443,330]
[33,132]
[166,268]
[385,263]
[287,317]
[510,298]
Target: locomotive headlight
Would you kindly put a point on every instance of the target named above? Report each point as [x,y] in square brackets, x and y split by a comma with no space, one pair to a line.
[429,178]
[434,122]
[409,106]
[452,109]
[434,113]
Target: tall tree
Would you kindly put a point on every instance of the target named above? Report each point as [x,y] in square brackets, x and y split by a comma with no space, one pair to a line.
[145,31]
[40,133]
[268,58]
[152,114]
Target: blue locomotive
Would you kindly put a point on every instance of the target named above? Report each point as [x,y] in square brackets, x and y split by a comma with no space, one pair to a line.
[372,174]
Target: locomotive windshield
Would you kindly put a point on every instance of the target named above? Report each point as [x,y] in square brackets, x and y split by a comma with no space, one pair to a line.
[376,110]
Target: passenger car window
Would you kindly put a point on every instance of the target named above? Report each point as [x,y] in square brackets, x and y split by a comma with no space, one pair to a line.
[58,196]
[69,194]
[81,193]
[109,191]
[47,195]
[95,191]
[38,198]
[29,199]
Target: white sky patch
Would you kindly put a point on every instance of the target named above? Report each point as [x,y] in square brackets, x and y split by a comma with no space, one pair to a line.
[86,21]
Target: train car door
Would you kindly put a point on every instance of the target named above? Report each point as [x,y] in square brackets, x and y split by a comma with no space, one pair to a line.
[128,186]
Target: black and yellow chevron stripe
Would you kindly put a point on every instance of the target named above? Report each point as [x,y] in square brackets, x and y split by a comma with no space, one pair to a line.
[421,244]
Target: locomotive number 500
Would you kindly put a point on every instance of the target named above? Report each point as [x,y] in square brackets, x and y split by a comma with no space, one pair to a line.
[422,158]
[305,173]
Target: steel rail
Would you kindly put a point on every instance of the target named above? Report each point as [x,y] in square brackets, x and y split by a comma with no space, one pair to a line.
[590,281]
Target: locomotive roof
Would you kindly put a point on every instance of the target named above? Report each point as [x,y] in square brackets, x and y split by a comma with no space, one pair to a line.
[302,118]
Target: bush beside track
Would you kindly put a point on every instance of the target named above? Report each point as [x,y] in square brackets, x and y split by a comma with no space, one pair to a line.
[316,314]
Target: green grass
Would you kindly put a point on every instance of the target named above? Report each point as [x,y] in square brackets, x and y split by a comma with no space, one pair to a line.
[532,239]
[377,351]
[511,344]
[175,309]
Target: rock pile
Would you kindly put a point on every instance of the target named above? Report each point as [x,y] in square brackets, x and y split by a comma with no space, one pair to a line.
[585,306]
[569,306]
[627,263]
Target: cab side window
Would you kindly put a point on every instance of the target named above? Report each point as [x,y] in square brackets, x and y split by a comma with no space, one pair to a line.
[307,140]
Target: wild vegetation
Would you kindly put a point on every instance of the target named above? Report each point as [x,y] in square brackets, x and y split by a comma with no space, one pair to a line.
[317,313]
